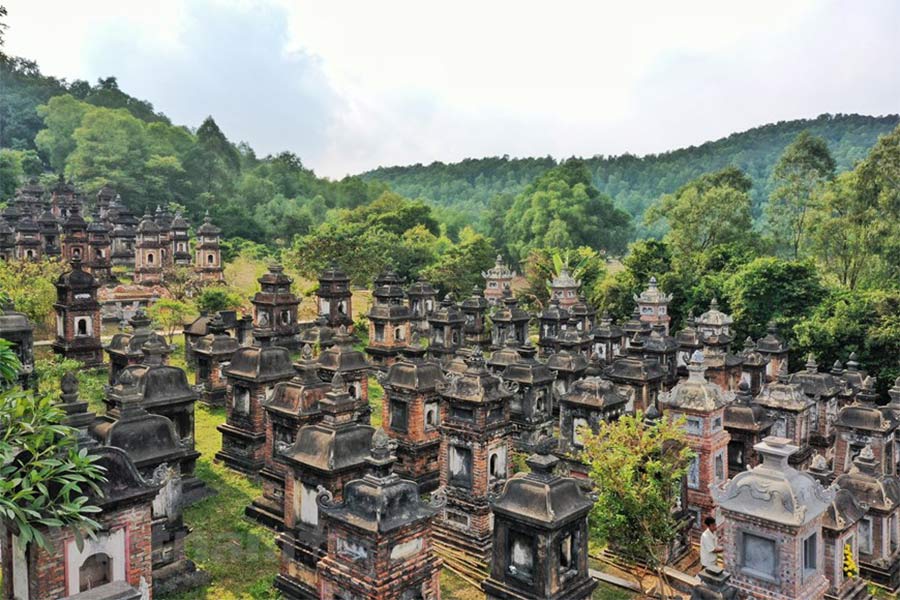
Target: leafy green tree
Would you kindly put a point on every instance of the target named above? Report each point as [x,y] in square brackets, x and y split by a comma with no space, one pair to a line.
[32,165]
[459,269]
[231,216]
[211,138]
[419,248]
[863,321]
[562,209]
[845,232]
[710,210]
[495,220]
[282,218]
[642,467]
[648,258]
[394,214]
[164,139]
[44,479]
[109,146]
[169,315]
[163,179]
[62,116]
[213,299]
[614,294]
[803,169]
[180,281]
[879,186]
[542,265]
[29,285]
[11,173]
[213,163]
[362,252]
[106,94]
[635,183]
[16,166]
[771,288]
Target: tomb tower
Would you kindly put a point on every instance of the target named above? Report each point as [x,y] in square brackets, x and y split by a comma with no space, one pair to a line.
[475,455]
[540,545]
[379,536]
[252,376]
[78,317]
[411,415]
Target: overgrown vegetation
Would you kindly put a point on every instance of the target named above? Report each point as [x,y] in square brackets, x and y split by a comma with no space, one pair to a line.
[46,481]
[641,467]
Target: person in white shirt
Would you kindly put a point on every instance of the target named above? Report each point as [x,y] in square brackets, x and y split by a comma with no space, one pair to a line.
[709,545]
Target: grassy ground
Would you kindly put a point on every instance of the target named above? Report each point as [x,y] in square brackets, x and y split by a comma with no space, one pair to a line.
[240,557]
[455,588]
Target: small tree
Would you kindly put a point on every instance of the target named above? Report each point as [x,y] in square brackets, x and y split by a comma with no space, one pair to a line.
[639,468]
[44,477]
[29,286]
[169,315]
[543,264]
[214,299]
[180,281]
[803,169]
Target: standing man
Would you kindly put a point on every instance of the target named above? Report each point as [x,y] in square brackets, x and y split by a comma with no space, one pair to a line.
[709,545]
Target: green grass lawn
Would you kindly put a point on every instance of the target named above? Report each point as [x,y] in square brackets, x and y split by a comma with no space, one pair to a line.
[240,556]
[454,587]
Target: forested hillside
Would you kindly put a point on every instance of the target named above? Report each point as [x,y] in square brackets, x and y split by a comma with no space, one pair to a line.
[634,183]
[94,132]
[268,207]
[97,133]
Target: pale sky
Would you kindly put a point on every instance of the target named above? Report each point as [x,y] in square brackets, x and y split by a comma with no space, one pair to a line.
[350,86]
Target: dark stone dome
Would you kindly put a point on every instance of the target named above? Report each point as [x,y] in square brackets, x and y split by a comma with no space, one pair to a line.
[261,364]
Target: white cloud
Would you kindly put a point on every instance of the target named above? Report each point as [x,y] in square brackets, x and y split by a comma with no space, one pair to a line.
[353,85]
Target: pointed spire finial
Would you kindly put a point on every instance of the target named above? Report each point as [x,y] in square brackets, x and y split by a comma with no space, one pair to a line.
[783,372]
[337,383]
[811,365]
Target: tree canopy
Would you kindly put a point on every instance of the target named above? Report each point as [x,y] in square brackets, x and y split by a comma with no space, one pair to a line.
[642,466]
[635,183]
[804,167]
[561,209]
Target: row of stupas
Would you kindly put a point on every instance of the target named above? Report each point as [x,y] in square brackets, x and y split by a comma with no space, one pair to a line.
[464,387]
[351,522]
[457,415]
[37,223]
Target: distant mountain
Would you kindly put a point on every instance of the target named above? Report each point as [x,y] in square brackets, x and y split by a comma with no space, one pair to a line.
[636,182]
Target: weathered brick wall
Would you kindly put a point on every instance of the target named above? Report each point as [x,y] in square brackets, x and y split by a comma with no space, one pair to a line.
[846,436]
[473,501]
[789,583]
[707,446]
[87,349]
[47,570]
[378,577]
[299,551]
[252,421]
